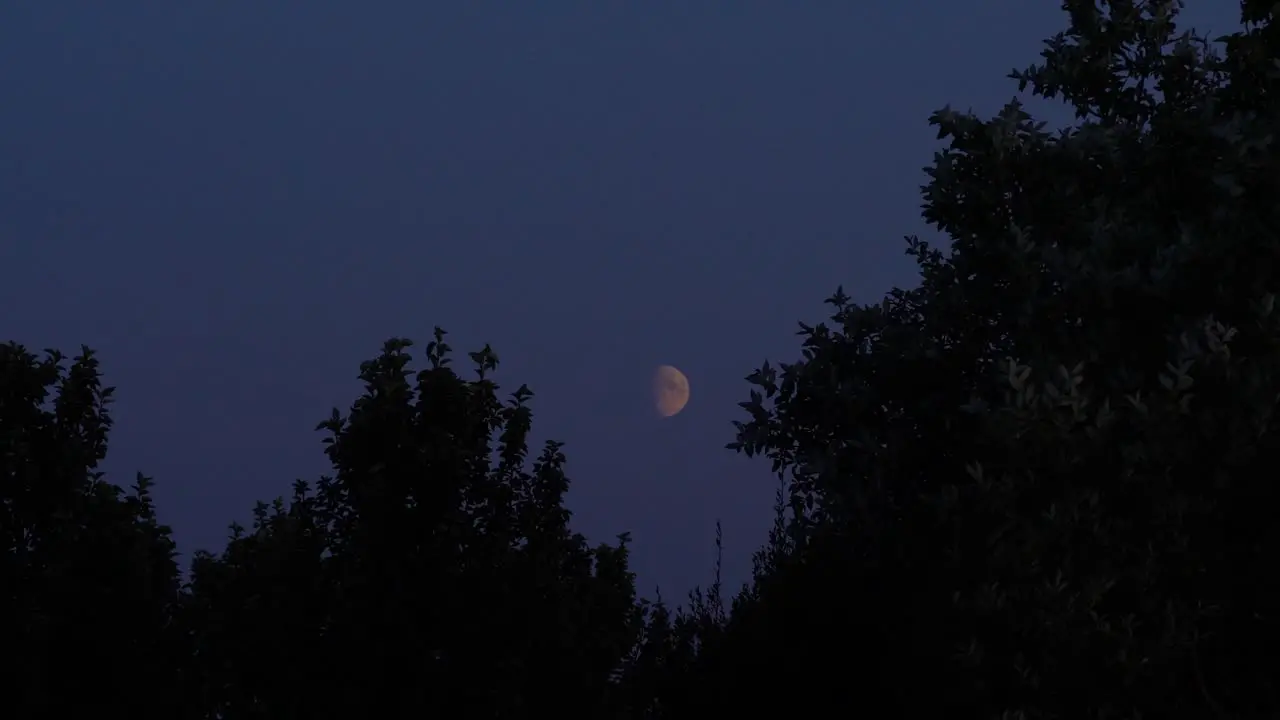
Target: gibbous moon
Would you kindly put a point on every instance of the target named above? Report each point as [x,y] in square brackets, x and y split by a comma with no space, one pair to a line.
[670,390]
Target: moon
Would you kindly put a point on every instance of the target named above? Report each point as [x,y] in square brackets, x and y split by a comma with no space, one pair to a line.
[670,390]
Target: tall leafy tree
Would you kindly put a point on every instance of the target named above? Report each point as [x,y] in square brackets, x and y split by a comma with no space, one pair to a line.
[87,574]
[1041,483]
[434,571]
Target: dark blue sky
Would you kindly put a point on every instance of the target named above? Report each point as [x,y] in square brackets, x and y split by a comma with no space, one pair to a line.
[236,202]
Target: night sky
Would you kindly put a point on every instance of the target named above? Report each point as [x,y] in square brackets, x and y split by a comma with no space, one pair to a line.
[236,202]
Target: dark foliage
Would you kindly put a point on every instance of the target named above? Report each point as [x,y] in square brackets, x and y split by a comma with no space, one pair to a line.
[1041,484]
[434,572]
[87,576]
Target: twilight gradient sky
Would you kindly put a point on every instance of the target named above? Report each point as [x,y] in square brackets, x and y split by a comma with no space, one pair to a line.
[236,202]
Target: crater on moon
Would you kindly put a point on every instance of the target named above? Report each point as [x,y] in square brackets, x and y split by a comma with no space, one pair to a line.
[670,390]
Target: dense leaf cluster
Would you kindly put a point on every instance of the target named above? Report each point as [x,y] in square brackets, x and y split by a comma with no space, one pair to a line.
[1054,459]
[433,571]
[1040,484]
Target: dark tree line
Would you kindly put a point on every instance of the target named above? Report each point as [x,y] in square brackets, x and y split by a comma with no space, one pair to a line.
[1040,484]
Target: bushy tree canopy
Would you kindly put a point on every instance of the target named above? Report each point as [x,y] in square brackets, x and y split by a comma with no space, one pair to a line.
[87,575]
[1046,474]
[434,571]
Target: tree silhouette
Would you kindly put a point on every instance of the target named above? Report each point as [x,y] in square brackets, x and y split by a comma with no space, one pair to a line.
[1041,484]
[433,572]
[87,575]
